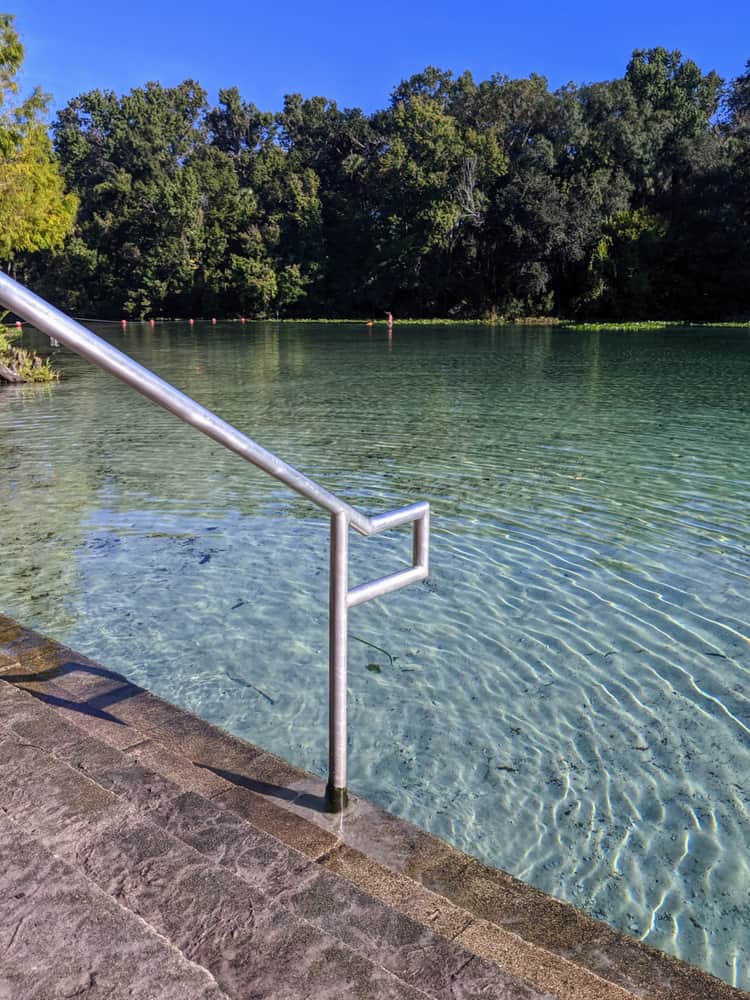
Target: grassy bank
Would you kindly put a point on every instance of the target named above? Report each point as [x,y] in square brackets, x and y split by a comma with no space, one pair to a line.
[567,324]
[542,321]
[20,365]
[649,325]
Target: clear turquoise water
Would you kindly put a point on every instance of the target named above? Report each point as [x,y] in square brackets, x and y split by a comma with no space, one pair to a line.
[568,696]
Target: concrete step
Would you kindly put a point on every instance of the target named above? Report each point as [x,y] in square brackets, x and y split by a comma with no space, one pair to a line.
[63,937]
[267,922]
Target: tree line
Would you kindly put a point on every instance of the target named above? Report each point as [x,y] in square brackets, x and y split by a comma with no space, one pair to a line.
[502,198]
[36,212]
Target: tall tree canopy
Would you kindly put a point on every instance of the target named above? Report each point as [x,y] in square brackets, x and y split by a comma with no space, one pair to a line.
[502,197]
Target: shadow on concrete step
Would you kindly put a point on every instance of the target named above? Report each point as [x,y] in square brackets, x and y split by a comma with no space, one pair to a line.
[95,705]
[315,802]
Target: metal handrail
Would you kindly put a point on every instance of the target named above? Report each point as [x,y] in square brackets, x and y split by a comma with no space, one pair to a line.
[45,317]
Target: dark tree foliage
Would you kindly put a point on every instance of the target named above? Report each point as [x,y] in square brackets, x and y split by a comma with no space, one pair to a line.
[628,198]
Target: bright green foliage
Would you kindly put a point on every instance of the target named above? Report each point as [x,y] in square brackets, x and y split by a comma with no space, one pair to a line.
[141,204]
[29,367]
[35,211]
[623,262]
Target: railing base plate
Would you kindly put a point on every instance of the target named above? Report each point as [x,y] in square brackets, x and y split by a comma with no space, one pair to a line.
[337,799]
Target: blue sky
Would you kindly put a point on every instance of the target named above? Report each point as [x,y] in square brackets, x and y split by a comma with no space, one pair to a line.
[355,53]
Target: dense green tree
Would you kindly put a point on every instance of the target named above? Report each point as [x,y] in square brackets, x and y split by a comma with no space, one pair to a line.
[341,148]
[707,264]
[672,107]
[626,197]
[138,225]
[650,135]
[35,211]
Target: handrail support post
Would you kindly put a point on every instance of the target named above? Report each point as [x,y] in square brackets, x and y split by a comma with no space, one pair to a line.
[336,795]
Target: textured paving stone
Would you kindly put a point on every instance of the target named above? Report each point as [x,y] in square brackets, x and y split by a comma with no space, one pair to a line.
[401,945]
[122,774]
[178,768]
[228,840]
[14,638]
[82,680]
[186,734]
[499,898]
[290,959]
[205,912]
[60,808]
[253,947]
[541,968]
[267,775]
[648,973]
[398,891]
[93,716]
[392,842]
[7,662]
[478,980]
[305,837]
[40,789]
[62,938]
[14,704]
[41,656]
[35,722]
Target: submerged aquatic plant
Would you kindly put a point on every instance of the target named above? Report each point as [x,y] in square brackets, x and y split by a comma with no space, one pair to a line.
[649,324]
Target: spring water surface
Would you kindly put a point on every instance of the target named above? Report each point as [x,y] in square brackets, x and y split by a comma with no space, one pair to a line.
[565,698]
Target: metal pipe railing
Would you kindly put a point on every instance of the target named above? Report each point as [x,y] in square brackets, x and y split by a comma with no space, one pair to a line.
[35,310]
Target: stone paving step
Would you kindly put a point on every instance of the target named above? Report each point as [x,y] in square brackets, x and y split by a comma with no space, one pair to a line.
[62,937]
[492,915]
[259,928]
[89,695]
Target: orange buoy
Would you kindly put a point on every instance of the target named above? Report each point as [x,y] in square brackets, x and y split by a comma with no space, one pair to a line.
[242,319]
[152,322]
[191,322]
[213,320]
[123,323]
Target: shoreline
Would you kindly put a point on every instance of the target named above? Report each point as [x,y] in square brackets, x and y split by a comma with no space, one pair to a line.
[546,321]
